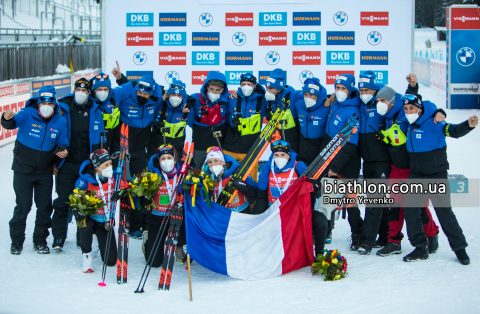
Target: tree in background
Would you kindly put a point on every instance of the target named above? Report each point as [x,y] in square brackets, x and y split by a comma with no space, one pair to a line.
[431,13]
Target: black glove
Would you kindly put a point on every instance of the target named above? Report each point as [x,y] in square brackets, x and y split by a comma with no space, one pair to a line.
[317,187]
[59,148]
[78,215]
[117,195]
[144,203]
[244,188]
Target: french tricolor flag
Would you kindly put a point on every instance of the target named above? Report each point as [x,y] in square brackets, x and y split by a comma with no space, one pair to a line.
[253,247]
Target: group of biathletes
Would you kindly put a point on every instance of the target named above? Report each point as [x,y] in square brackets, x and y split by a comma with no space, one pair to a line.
[64,136]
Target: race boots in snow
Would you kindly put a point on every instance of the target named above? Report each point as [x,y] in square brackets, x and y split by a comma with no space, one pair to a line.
[87,263]
[380,243]
[179,254]
[58,244]
[41,248]
[463,257]
[433,244]
[420,253]
[390,249]
[16,248]
[364,249]
[354,242]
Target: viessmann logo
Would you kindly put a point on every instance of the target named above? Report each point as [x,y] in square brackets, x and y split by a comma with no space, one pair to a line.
[172,58]
[374,18]
[238,19]
[198,77]
[272,38]
[464,19]
[306,57]
[140,39]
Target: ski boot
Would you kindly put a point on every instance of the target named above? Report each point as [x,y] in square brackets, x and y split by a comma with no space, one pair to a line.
[16,248]
[41,247]
[420,253]
[463,257]
[390,249]
[87,263]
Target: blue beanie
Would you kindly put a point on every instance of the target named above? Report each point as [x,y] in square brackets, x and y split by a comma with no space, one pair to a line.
[347,80]
[149,81]
[368,80]
[46,91]
[277,79]
[182,92]
[313,88]
[101,82]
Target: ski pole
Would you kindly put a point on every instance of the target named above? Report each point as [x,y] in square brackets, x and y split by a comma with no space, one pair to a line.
[165,130]
[282,123]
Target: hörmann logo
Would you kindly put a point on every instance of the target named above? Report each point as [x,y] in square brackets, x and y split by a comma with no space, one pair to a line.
[205,58]
[172,39]
[373,57]
[206,39]
[332,75]
[306,19]
[341,38]
[173,19]
[139,19]
[306,38]
[172,58]
[238,19]
[272,19]
[139,39]
[238,57]
[198,77]
[306,58]
[272,39]
[374,18]
[136,75]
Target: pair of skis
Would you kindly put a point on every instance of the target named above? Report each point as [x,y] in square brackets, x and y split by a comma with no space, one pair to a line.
[256,151]
[175,213]
[123,224]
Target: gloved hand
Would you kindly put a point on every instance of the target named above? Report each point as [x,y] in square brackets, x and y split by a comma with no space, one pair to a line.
[239,183]
[184,169]
[244,188]
[117,195]
[145,203]
[381,137]
[317,187]
[78,215]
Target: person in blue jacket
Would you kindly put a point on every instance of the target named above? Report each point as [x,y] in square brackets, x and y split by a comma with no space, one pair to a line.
[312,118]
[347,161]
[42,137]
[173,115]
[427,148]
[84,122]
[139,102]
[208,115]
[245,116]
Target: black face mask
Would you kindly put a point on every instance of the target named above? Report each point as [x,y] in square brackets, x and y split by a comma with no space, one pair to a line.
[141,100]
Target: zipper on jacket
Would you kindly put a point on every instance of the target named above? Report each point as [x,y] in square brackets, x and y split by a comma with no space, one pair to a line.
[43,140]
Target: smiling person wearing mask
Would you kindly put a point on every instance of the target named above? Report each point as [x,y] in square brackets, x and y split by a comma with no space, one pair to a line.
[85,122]
[208,115]
[245,115]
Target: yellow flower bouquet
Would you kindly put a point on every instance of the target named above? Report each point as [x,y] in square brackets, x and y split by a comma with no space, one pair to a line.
[146,184]
[86,202]
[332,265]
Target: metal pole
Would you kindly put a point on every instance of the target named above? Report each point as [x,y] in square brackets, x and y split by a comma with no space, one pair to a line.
[102,29]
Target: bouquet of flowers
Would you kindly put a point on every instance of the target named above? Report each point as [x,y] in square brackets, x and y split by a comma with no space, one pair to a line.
[332,265]
[146,184]
[191,184]
[86,202]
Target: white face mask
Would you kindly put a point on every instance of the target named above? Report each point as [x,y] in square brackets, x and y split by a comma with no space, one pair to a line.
[80,97]
[247,90]
[280,162]
[175,101]
[366,98]
[309,102]
[46,111]
[382,108]
[213,97]
[217,170]
[107,172]
[269,96]
[101,95]
[167,165]
[341,96]
[412,117]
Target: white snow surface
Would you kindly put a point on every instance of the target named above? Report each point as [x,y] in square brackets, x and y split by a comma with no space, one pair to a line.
[54,283]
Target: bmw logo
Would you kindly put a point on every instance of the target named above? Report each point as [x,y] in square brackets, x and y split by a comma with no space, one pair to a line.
[466,57]
[206,19]
[171,75]
[374,38]
[340,18]
[272,57]
[139,58]
[239,38]
[305,75]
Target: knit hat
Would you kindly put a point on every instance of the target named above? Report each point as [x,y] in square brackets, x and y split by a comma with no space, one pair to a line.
[99,157]
[215,152]
[280,146]
[248,77]
[82,82]
[166,150]
[368,80]
[146,84]
[277,79]
[413,100]
[177,87]
[347,80]
[99,80]
[312,86]
[388,93]
[47,94]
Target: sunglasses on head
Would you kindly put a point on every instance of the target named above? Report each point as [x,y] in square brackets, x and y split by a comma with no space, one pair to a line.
[368,75]
[247,76]
[312,81]
[177,86]
[410,97]
[213,149]
[47,99]
[164,146]
[280,142]
[145,88]
[100,76]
